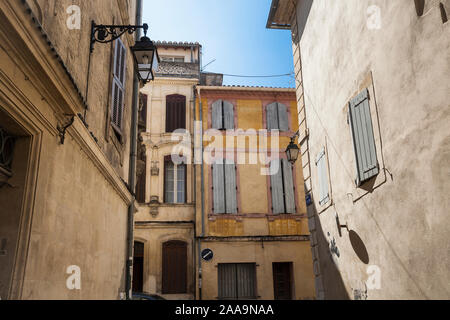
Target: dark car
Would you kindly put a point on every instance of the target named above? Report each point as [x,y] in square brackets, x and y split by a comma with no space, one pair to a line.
[145,296]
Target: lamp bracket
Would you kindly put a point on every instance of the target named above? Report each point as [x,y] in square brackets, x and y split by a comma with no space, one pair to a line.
[62,128]
[108,33]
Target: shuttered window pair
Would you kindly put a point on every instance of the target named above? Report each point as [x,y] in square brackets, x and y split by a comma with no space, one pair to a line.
[224,187]
[282,187]
[321,164]
[237,281]
[363,138]
[277,117]
[222,115]
[118,85]
[174,181]
[175,112]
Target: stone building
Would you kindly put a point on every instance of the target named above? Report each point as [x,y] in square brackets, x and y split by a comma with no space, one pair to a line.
[373,105]
[164,223]
[65,149]
[251,224]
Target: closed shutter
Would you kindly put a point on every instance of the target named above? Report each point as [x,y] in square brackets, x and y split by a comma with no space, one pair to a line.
[246,280]
[272,116]
[118,89]
[276,183]
[230,187]
[228,115]
[217,121]
[321,164]
[175,112]
[288,187]
[174,267]
[218,187]
[283,118]
[363,138]
[237,281]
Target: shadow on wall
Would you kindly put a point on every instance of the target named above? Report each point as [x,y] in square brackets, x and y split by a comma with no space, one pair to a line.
[333,284]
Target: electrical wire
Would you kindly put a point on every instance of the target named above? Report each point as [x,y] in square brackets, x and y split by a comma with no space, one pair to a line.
[271,76]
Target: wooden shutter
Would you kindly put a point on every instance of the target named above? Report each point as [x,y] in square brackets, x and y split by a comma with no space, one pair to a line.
[218,187]
[217,120]
[322,175]
[272,116]
[174,267]
[246,280]
[228,115]
[276,185]
[363,137]
[175,112]
[230,187]
[283,118]
[288,180]
[118,96]
[282,281]
[227,285]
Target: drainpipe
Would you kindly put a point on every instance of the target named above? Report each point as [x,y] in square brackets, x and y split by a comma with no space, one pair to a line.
[202,200]
[132,168]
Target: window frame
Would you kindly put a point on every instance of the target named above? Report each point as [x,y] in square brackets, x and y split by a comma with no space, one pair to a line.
[168,159]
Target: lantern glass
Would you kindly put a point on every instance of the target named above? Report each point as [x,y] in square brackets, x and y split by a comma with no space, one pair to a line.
[292,152]
[146,59]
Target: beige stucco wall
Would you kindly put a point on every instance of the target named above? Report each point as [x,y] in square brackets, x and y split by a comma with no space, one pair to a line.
[74,208]
[403,221]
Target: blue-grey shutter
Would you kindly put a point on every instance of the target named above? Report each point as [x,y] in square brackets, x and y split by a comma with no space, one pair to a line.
[272,116]
[321,164]
[246,276]
[363,137]
[283,119]
[230,187]
[218,187]
[227,281]
[288,187]
[228,115]
[276,184]
[217,121]
[118,89]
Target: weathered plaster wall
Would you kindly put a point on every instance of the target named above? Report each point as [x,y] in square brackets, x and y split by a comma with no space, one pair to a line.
[402,222]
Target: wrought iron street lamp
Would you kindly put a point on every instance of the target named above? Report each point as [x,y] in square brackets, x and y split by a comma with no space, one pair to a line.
[292,151]
[144,51]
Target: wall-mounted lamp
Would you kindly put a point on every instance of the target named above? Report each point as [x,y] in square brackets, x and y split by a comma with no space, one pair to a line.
[144,51]
[292,150]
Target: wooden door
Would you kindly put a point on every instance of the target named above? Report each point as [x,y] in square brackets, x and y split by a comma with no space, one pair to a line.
[174,267]
[138,267]
[282,281]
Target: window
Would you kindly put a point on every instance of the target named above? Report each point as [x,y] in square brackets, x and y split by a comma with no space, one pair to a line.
[224,187]
[174,181]
[222,115]
[174,267]
[237,281]
[277,117]
[321,164]
[175,112]
[282,187]
[363,138]
[118,89]
[172,59]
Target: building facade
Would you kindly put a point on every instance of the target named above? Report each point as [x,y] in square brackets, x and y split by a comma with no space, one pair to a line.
[164,223]
[65,146]
[373,105]
[251,225]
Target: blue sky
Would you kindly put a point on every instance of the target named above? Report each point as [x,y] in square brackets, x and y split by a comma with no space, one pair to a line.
[231,31]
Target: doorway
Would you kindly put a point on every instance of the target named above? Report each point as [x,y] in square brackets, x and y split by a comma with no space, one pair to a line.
[138,267]
[174,267]
[282,280]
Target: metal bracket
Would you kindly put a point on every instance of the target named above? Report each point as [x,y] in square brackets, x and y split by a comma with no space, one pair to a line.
[108,33]
[62,128]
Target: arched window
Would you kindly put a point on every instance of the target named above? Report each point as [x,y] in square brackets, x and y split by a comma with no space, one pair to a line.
[175,112]
[174,267]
